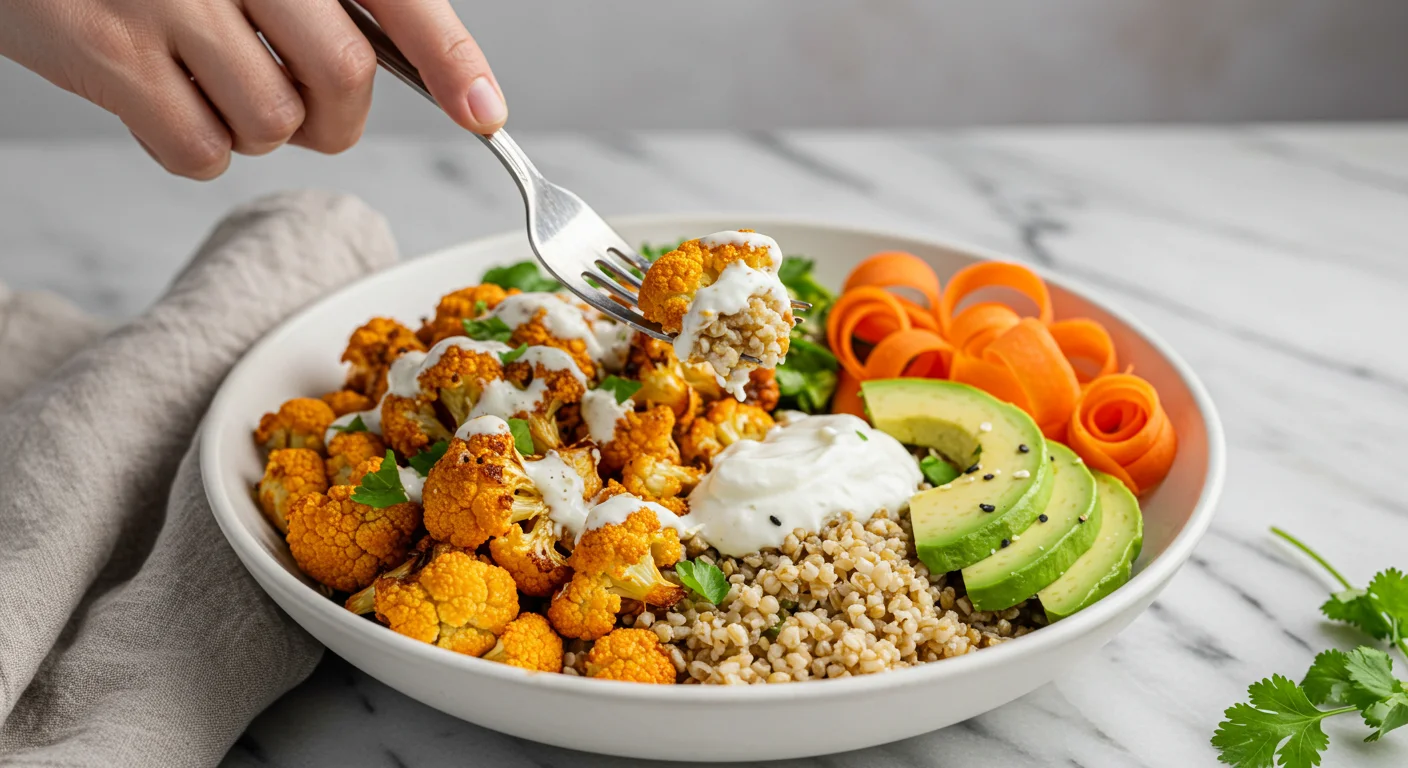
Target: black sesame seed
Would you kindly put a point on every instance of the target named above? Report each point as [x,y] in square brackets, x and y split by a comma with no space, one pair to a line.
[971,470]
[774,520]
[1082,519]
[989,476]
[987,507]
[1023,448]
[1005,543]
[1043,518]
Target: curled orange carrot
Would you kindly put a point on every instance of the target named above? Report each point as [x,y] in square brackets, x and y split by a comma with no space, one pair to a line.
[850,310]
[916,353]
[897,269]
[873,328]
[1044,375]
[1120,427]
[993,274]
[975,327]
[1084,339]
[847,398]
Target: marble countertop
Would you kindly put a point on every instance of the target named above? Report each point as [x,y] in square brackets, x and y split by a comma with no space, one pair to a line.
[1272,257]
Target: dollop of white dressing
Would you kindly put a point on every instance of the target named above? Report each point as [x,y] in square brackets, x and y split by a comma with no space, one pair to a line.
[503,398]
[601,412]
[615,340]
[725,296]
[412,482]
[483,425]
[740,239]
[560,318]
[804,474]
[404,371]
[562,489]
[616,509]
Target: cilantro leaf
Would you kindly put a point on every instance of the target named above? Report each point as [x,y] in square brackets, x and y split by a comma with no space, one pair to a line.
[512,354]
[1356,607]
[621,388]
[937,471]
[524,276]
[1279,726]
[355,425]
[522,436]
[705,579]
[1386,715]
[381,488]
[1328,678]
[1370,671]
[488,329]
[806,380]
[1390,591]
[423,461]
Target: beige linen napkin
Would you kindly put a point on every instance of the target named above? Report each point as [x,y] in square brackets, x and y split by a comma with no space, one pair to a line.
[130,635]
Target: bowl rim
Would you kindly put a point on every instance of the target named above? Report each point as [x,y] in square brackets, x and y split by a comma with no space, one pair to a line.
[1144,584]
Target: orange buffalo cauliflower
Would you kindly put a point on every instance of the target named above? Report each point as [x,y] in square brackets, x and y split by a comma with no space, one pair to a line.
[550,376]
[346,451]
[662,379]
[299,423]
[725,422]
[345,401]
[640,433]
[722,297]
[584,608]
[528,642]
[291,474]
[660,481]
[457,307]
[459,376]
[549,320]
[343,544]
[532,556]
[762,390]
[455,601]
[631,655]
[371,350]
[409,424]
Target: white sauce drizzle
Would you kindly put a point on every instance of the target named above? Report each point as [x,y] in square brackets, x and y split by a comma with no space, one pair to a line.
[401,377]
[615,341]
[562,489]
[725,296]
[616,509]
[463,342]
[805,474]
[503,398]
[750,239]
[412,482]
[484,425]
[602,413]
[560,318]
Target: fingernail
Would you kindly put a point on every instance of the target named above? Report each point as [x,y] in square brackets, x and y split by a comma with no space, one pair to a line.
[485,103]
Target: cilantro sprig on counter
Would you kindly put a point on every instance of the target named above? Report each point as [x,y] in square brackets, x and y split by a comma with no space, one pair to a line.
[382,488]
[1280,722]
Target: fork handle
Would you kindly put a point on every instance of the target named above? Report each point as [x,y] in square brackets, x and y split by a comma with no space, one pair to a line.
[524,173]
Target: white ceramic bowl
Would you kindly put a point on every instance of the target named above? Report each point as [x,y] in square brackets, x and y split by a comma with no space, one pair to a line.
[759,722]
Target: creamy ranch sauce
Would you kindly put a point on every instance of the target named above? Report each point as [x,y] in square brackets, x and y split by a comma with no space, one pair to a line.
[484,425]
[750,239]
[805,475]
[601,412]
[503,399]
[725,296]
[616,509]
[562,489]
[560,318]
[412,482]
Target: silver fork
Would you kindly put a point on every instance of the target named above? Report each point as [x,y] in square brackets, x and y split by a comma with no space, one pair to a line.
[570,239]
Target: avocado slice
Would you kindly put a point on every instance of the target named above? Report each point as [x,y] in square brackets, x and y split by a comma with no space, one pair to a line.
[1061,534]
[961,522]
[1107,564]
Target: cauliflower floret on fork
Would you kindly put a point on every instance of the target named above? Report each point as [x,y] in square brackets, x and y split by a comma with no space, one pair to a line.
[722,296]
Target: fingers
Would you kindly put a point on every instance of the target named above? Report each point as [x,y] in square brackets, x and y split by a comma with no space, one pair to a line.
[331,63]
[243,81]
[172,120]
[450,62]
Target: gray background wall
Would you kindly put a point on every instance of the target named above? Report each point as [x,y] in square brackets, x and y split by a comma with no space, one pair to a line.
[601,64]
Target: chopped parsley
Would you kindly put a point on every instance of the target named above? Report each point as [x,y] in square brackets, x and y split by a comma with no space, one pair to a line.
[423,461]
[355,425]
[480,307]
[864,437]
[524,276]
[806,380]
[621,388]
[381,488]
[522,436]
[488,329]
[512,354]
[704,579]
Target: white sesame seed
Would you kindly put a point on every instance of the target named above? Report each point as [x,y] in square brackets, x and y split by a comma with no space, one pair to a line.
[997,471]
[1021,474]
[992,551]
[1016,537]
[985,427]
[1079,460]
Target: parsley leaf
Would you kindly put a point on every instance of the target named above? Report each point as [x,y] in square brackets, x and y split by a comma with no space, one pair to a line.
[489,329]
[524,276]
[1279,726]
[806,380]
[522,436]
[937,471]
[864,437]
[621,388]
[512,354]
[355,425]
[381,488]
[423,461]
[705,579]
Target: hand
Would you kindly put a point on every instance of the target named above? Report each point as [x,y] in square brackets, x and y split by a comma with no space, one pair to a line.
[193,82]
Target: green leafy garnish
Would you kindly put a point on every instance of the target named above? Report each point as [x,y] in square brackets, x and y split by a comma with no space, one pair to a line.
[480,307]
[1281,724]
[705,579]
[807,379]
[522,436]
[653,252]
[937,471]
[512,354]
[381,488]
[355,425]
[423,461]
[864,437]
[621,388]
[488,329]
[524,276]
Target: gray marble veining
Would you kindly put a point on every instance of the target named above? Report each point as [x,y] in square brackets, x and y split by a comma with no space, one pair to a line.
[1272,258]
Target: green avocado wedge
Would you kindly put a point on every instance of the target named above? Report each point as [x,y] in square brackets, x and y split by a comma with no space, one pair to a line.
[1106,566]
[1047,548]
[1008,478]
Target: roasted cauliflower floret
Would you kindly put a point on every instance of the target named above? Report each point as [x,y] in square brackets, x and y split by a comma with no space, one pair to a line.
[662,379]
[343,544]
[345,401]
[370,352]
[478,490]
[641,433]
[456,602]
[346,451]
[547,373]
[291,474]
[409,424]
[528,642]
[629,554]
[723,424]
[631,655]
[551,320]
[458,378]
[299,423]
[457,307]
[533,557]
[660,481]
[584,459]
[584,608]
[761,389]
